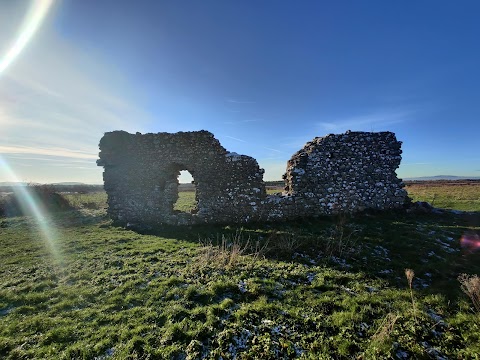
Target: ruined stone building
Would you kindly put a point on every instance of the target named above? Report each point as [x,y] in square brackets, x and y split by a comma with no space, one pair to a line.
[347,173]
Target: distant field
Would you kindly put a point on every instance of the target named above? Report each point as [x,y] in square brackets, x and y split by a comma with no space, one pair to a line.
[458,195]
[93,200]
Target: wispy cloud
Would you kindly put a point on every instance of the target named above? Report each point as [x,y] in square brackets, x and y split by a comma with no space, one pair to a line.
[234,138]
[73,166]
[48,158]
[56,101]
[295,142]
[235,101]
[46,151]
[418,163]
[275,150]
[240,121]
[374,121]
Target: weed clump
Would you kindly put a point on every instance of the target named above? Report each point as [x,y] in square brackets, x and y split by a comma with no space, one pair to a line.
[471,286]
[285,243]
[229,251]
[410,274]
[342,239]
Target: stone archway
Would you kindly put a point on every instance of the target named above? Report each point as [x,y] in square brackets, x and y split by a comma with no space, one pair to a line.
[141,178]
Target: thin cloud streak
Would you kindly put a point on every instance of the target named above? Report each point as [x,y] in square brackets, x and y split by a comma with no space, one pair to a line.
[234,138]
[239,122]
[82,103]
[70,166]
[234,101]
[373,122]
[49,159]
[271,158]
[419,163]
[57,102]
[279,151]
[46,151]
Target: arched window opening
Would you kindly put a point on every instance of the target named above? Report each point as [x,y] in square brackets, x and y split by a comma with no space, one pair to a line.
[187,201]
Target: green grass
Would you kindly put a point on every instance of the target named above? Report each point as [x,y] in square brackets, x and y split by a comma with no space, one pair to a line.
[186,201]
[316,289]
[93,200]
[448,196]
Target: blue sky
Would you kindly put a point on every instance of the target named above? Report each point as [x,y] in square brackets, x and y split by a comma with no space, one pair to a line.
[264,76]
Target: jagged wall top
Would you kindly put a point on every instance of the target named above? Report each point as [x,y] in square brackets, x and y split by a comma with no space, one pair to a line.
[338,173]
[347,172]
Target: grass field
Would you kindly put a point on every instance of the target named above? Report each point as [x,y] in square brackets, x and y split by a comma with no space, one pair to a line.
[447,195]
[76,287]
[93,200]
[185,202]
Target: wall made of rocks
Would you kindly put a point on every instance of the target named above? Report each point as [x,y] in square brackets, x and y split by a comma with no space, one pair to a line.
[141,178]
[338,173]
[348,172]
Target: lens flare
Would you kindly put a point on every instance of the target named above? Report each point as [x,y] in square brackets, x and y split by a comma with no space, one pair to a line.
[37,12]
[470,242]
[28,199]
[32,206]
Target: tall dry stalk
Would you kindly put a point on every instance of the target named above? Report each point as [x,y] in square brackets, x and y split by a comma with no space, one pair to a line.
[410,274]
[471,286]
[342,238]
[284,242]
[230,251]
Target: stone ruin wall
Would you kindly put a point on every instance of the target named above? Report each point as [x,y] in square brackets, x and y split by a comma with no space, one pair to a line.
[344,173]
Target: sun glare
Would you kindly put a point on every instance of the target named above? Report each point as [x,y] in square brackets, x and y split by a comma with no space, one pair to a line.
[32,206]
[37,12]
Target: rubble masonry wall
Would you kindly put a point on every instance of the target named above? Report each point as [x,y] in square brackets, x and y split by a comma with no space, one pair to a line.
[348,173]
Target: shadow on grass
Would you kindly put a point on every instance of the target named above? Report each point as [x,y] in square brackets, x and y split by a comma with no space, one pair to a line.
[118,281]
[379,245]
